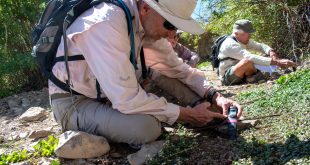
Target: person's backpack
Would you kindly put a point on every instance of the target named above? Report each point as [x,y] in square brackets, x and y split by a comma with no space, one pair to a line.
[215,50]
[52,25]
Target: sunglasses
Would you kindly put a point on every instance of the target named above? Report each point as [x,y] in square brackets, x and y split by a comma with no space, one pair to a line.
[167,25]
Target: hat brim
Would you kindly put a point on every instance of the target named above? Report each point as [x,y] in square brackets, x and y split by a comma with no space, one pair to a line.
[187,25]
[251,31]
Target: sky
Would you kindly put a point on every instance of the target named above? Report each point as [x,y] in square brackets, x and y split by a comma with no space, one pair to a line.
[199,10]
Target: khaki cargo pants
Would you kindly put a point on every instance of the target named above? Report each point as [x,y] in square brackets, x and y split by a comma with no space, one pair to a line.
[91,116]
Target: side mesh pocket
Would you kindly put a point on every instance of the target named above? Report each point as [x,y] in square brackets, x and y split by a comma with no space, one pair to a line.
[46,39]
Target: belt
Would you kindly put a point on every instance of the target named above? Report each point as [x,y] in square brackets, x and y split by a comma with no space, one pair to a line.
[60,95]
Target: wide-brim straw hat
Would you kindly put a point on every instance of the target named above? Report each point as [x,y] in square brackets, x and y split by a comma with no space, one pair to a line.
[178,13]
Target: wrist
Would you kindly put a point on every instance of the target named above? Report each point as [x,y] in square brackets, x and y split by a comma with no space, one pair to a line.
[184,114]
[274,62]
[211,93]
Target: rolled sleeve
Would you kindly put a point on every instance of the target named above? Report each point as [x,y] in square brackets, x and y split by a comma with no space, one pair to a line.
[258,47]
[161,57]
[236,51]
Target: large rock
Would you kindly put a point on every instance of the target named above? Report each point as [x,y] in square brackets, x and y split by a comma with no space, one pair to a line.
[34,114]
[76,145]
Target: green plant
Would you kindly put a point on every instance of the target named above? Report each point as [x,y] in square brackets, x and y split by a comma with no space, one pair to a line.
[177,147]
[55,162]
[14,157]
[283,111]
[46,148]
[204,64]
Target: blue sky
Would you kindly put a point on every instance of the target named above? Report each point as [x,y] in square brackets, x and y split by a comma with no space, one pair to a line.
[199,10]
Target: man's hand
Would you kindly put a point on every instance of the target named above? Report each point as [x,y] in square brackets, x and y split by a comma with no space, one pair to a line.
[283,63]
[273,54]
[223,104]
[200,115]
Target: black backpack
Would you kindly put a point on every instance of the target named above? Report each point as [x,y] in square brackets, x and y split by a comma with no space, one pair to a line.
[52,25]
[215,50]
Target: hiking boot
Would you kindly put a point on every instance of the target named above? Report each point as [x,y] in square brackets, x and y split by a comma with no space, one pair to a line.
[255,78]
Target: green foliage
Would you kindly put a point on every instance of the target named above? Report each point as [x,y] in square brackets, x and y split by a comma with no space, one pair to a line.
[177,147]
[55,162]
[285,136]
[17,69]
[14,157]
[290,90]
[203,65]
[189,40]
[17,18]
[18,72]
[282,24]
[46,148]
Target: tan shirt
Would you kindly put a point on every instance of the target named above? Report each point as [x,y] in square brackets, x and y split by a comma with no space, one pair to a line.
[238,51]
[101,35]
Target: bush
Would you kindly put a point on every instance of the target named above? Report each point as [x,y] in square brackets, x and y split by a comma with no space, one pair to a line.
[17,70]
[284,25]
[19,73]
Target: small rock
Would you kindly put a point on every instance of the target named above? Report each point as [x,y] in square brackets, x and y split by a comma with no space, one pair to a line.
[22,163]
[169,129]
[18,110]
[75,145]
[116,155]
[14,138]
[39,134]
[45,161]
[30,146]
[1,139]
[6,122]
[244,124]
[147,152]
[241,125]
[13,103]
[25,102]
[23,135]
[2,151]
[79,162]
[34,114]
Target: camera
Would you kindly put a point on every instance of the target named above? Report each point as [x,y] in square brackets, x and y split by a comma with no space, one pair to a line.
[232,122]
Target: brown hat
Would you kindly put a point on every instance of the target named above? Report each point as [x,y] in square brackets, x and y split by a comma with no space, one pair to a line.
[244,25]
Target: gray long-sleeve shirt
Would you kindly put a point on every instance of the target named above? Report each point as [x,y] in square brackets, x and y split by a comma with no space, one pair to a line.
[187,55]
[238,51]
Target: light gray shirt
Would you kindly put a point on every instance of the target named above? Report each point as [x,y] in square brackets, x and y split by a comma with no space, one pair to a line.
[238,51]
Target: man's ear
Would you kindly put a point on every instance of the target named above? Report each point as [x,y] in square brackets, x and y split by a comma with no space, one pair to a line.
[144,9]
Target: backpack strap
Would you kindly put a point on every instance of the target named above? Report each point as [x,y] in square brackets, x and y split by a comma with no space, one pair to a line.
[83,6]
[227,58]
[145,71]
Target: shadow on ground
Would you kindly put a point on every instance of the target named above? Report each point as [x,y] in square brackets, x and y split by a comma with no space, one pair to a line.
[215,148]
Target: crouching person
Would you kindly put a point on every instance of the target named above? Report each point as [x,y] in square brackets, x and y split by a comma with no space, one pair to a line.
[112,102]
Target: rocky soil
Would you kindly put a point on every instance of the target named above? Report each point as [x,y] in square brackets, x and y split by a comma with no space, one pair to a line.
[25,118]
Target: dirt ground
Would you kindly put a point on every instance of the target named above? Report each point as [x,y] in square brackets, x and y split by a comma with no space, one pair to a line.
[13,132]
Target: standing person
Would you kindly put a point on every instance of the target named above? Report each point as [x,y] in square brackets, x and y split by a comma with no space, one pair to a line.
[237,62]
[191,58]
[129,114]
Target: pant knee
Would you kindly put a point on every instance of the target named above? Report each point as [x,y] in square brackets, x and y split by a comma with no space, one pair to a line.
[148,130]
